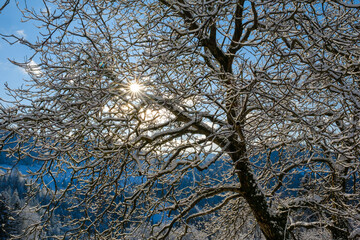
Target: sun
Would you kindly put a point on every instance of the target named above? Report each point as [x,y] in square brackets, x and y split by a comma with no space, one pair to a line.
[135,87]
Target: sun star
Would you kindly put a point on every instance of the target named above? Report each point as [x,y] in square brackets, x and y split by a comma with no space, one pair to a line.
[135,88]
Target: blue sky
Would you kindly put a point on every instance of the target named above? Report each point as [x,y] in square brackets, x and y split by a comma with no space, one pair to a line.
[10,23]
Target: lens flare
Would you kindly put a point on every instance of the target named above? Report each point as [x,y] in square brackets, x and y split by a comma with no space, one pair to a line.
[135,88]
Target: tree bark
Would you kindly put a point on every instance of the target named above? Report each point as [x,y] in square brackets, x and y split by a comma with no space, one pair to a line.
[271,224]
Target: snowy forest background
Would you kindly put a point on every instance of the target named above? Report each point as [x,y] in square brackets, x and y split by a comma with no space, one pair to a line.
[20,207]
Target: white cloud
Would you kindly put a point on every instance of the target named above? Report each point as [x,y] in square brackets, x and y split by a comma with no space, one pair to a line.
[22,70]
[33,68]
[21,33]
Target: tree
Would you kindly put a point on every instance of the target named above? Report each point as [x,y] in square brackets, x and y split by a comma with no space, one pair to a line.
[3,5]
[161,114]
[18,209]
[4,218]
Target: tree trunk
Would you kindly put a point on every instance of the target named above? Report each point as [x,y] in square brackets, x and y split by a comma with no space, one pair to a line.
[339,232]
[271,224]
